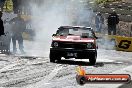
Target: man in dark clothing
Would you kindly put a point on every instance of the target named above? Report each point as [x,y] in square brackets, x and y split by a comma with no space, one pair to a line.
[18,27]
[1,25]
[113,20]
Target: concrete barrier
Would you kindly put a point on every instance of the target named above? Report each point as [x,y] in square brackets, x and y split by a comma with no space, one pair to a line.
[119,43]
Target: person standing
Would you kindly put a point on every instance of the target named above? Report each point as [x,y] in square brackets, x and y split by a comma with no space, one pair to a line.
[1,25]
[99,21]
[18,27]
[113,20]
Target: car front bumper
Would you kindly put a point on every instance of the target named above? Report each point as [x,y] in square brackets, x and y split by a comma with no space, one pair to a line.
[74,53]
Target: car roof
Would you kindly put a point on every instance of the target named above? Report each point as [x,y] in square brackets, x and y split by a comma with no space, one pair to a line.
[68,27]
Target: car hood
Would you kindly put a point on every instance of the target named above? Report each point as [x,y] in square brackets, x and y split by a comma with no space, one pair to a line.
[72,39]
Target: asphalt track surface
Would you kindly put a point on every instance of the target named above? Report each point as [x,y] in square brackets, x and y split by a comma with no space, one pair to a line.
[28,71]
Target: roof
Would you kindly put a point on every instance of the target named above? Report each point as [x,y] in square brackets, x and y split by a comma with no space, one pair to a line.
[68,27]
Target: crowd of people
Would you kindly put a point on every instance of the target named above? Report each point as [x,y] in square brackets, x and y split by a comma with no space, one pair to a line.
[112,22]
[112,25]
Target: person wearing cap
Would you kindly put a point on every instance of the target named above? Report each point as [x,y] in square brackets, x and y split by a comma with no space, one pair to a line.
[1,25]
[99,20]
[113,20]
[18,27]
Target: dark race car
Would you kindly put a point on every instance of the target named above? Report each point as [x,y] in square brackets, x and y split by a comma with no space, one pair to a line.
[74,42]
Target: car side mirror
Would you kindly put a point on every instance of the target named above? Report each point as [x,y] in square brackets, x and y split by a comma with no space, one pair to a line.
[96,37]
[54,35]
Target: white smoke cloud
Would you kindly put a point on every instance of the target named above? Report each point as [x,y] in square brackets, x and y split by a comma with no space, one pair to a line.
[51,14]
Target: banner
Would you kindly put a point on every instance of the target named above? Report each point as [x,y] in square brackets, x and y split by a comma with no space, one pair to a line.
[121,43]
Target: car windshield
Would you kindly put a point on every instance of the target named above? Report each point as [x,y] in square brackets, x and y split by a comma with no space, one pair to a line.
[83,32]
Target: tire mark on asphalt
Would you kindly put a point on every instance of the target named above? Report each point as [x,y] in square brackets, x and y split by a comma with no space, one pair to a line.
[19,62]
[8,67]
[23,79]
[13,82]
[49,77]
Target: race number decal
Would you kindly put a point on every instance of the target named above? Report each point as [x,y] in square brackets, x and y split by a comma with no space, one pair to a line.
[125,44]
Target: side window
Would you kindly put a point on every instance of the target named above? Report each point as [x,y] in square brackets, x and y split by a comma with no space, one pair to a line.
[62,32]
[91,34]
[85,35]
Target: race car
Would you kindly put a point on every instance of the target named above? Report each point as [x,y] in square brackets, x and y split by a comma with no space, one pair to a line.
[74,42]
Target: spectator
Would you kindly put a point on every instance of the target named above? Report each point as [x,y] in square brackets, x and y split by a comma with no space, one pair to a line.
[1,25]
[113,20]
[18,27]
[99,21]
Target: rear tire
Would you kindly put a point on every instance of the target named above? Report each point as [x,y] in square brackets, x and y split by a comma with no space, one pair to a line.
[53,57]
[92,59]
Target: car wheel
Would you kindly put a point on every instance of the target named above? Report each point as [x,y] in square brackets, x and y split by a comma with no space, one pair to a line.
[92,59]
[53,57]
[58,58]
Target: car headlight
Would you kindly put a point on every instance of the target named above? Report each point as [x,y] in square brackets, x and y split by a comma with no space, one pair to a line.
[89,45]
[55,44]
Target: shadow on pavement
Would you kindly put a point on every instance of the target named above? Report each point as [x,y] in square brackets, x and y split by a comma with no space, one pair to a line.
[82,63]
[128,85]
[85,63]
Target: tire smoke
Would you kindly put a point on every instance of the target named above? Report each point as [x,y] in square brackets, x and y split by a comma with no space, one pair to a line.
[51,14]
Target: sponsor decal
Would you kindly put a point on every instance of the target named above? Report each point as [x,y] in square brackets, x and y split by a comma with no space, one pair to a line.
[124,43]
[83,78]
